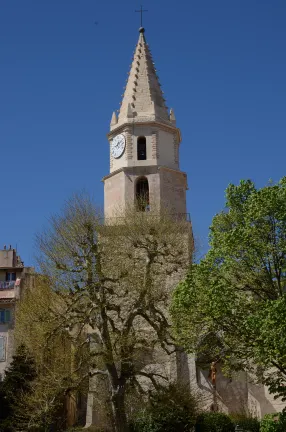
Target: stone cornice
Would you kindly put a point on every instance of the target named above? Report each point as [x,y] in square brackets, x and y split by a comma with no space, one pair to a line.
[163,167]
[139,168]
[162,126]
[112,174]
[132,169]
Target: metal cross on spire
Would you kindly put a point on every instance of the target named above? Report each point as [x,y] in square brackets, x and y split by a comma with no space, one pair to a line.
[141,11]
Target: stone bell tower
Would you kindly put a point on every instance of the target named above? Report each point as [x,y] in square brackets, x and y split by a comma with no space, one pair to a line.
[144,146]
[144,171]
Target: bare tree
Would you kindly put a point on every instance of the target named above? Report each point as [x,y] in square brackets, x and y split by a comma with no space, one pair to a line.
[59,360]
[114,280]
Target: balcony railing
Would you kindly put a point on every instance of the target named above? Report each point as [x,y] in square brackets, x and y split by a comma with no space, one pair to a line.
[4,285]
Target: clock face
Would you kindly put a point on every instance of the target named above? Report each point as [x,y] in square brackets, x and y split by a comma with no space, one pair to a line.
[118,146]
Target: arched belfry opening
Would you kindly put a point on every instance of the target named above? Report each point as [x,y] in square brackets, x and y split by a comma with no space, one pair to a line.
[142,194]
[141,148]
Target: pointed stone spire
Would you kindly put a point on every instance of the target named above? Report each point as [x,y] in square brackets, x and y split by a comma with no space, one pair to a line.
[143,96]
[114,119]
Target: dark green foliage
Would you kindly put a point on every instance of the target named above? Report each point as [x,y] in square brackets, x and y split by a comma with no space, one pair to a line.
[90,429]
[249,424]
[169,409]
[17,383]
[20,374]
[214,422]
[4,405]
[273,423]
[237,291]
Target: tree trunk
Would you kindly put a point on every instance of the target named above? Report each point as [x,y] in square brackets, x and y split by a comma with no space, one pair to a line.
[71,408]
[118,409]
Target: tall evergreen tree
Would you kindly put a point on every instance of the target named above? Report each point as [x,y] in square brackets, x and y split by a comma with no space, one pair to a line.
[4,406]
[17,383]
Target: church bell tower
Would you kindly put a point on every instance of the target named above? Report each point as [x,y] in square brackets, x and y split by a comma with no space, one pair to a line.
[144,146]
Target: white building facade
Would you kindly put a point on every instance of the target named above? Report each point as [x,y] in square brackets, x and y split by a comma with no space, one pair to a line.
[14,277]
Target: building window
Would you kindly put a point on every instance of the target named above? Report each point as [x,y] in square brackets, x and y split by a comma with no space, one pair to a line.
[10,276]
[141,148]
[142,194]
[5,316]
[2,348]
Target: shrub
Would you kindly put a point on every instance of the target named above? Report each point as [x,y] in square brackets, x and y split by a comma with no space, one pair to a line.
[75,429]
[170,409]
[249,424]
[83,429]
[214,422]
[273,423]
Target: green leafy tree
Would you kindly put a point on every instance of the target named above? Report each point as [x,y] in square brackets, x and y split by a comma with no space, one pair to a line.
[236,295]
[273,423]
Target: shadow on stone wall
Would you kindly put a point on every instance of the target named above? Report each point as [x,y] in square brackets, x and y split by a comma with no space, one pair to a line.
[238,394]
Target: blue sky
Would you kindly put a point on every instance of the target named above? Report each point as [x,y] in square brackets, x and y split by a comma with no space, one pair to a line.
[222,65]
